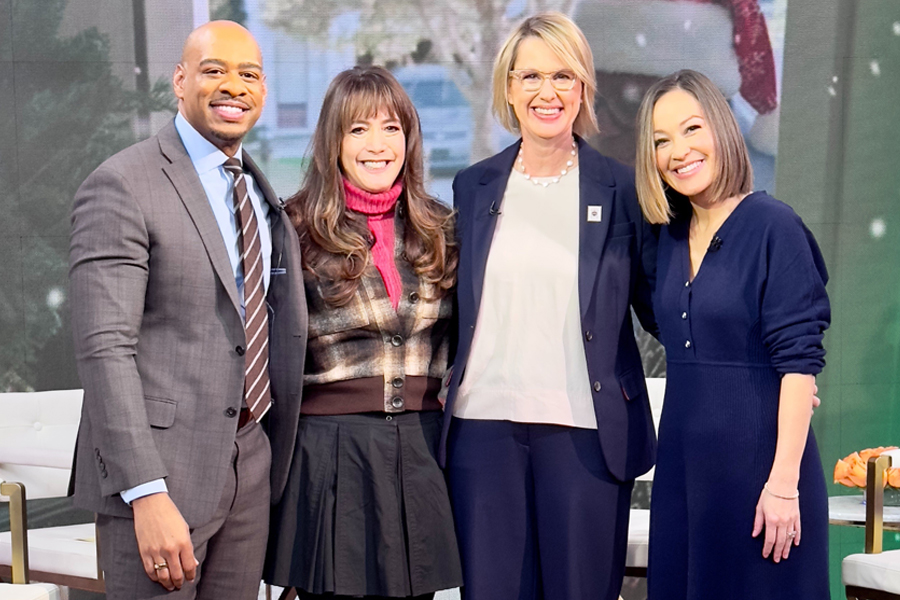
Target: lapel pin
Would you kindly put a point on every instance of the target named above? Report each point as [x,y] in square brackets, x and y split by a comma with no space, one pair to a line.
[594,214]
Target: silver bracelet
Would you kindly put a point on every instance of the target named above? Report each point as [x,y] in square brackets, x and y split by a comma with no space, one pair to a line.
[793,496]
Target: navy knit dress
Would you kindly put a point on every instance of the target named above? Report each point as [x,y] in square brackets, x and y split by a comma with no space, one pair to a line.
[756,310]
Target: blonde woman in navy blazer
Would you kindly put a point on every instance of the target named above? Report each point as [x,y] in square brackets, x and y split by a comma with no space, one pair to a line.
[541,478]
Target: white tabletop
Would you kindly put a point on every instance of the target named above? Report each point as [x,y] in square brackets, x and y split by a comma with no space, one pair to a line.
[851,510]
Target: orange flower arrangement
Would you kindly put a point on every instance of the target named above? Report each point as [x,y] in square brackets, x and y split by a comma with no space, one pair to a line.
[851,471]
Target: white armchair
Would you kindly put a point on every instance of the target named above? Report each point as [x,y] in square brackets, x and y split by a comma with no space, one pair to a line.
[873,575]
[37,442]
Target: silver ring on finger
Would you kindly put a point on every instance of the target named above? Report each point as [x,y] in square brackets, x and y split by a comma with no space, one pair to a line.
[792,534]
[160,565]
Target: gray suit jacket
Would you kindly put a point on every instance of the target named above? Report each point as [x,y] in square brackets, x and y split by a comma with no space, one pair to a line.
[155,315]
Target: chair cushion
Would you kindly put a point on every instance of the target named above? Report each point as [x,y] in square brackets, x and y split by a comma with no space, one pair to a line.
[873,571]
[638,538]
[34,591]
[69,550]
[37,439]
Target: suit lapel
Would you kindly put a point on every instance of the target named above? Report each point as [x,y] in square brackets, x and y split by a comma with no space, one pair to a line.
[263,183]
[279,222]
[183,176]
[487,207]
[596,189]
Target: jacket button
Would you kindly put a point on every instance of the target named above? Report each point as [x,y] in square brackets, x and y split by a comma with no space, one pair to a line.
[597,386]
[397,402]
[231,412]
[588,335]
[687,344]
[397,341]
[414,297]
[684,316]
[103,474]
[397,382]
[240,350]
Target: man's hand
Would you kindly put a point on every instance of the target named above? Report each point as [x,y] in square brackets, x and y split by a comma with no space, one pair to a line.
[163,538]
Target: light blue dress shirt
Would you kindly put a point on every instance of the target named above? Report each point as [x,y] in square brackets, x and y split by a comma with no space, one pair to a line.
[219,187]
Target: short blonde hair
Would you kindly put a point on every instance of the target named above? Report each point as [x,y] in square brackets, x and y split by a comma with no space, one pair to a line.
[734,175]
[568,42]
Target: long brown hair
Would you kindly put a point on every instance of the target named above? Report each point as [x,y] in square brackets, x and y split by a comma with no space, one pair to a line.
[334,240]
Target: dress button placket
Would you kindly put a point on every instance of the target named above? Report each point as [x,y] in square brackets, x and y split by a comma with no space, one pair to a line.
[685,310]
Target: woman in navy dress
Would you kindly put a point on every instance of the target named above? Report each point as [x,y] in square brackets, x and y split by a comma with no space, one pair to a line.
[739,507]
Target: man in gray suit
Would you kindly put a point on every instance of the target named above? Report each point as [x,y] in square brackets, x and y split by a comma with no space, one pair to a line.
[185,278]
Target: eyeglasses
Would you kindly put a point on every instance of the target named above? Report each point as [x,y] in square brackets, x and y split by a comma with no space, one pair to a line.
[532,80]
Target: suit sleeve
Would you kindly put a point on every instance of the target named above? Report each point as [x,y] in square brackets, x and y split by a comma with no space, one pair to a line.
[645,277]
[109,266]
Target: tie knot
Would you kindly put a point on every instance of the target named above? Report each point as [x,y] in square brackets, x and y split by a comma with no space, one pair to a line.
[233,166]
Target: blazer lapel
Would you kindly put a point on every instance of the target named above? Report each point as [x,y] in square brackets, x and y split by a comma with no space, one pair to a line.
[279,223]
[487,208]
[183,176]
[268,193]
[596,193]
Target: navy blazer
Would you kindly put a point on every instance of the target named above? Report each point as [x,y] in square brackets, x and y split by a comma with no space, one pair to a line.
[616,270]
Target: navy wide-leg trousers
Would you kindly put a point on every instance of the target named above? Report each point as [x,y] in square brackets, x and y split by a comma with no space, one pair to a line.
[538,514]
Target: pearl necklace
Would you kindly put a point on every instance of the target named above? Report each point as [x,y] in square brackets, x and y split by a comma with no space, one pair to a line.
[520,163]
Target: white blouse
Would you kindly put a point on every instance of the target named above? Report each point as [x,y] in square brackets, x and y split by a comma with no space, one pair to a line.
[527,361]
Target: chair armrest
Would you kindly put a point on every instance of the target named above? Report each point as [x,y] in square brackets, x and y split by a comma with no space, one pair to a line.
[36,456]
[18,528]
[875,502]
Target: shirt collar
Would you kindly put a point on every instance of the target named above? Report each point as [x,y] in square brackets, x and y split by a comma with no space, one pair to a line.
[205,156]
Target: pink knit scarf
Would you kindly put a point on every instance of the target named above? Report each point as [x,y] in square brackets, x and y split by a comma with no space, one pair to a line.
[379,208]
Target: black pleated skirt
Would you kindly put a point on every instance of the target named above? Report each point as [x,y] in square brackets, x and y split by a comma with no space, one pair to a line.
[366,510]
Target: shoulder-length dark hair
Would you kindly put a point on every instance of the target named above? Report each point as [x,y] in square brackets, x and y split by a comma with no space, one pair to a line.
[334,240]
[734,174]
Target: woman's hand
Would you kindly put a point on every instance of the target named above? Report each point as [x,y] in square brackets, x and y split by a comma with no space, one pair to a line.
[781,518]
[778,509]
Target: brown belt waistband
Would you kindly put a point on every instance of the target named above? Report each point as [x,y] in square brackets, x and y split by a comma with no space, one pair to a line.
[366,394]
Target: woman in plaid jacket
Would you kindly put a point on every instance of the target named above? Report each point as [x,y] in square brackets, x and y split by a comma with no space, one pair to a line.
[366,512]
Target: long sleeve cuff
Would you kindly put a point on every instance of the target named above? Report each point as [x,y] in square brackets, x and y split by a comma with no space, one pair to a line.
[145,489]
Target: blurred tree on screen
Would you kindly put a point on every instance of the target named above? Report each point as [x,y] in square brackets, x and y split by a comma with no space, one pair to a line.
[464,35]
[71,114]
[229,10]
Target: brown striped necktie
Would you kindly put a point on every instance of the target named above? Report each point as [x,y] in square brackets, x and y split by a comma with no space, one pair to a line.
[256,320]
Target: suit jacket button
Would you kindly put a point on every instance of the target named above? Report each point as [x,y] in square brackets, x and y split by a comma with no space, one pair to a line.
[597,386]
[103,474]
[588,335]
[240,350]
[231,412]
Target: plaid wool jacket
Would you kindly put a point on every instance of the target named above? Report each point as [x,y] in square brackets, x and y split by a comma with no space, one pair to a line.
[367,338]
